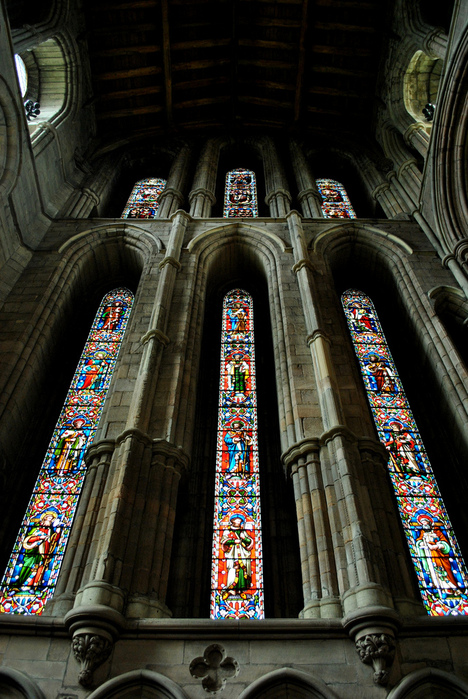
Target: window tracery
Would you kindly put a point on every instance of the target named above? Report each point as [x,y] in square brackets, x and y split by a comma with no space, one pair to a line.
[335,200]
[240,194]
[237,575]
[31,574]
[143,201]
[440,569]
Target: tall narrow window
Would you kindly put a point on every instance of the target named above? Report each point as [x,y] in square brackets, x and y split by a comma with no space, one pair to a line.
[335,201]
[143,202]
[34,566]
[237,577]
[441,571]
[240,194]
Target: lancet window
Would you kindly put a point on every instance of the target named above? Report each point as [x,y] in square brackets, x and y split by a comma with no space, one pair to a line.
[440,569]
[32,572]
[240,194]
[335,201]
[143,202]
[237,576]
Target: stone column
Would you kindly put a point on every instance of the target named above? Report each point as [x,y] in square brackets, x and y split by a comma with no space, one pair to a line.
[354,542]
[90,195]
[416,135]
[308,194]
[202,197]
[172,197]
[120,551]
[435,43]
[277,196]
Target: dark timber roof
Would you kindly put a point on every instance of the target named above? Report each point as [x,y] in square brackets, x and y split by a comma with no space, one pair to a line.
[180,66]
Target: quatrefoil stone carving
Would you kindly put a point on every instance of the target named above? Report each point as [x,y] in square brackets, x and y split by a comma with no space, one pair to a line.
[214,668]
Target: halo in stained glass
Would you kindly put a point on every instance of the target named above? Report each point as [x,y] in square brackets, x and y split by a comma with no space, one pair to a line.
[240,194]
[440,569]
[32,571]
[143,202]
[237,566]
[335,200]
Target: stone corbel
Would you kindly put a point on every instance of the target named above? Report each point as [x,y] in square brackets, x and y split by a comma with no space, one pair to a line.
[91,648]
[94,629]
[378,650]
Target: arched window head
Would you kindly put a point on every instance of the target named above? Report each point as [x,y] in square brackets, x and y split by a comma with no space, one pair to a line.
[440,569]
[335,201]
[34,566]
[240,194]
[143,202]
[237,576]
[22,74]
[421,86]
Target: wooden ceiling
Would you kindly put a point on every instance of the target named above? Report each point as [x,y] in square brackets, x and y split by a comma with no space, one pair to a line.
[181,67]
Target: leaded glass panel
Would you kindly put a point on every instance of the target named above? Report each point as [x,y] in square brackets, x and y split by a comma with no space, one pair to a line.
[32,572]
[144,199]
[237,573]
[335,201]
[440,569]
[240,194]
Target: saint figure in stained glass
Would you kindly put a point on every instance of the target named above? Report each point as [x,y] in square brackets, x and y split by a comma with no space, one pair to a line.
[32,572]
[144,199]
[236,576]
[440,569]
[335,201]
[240,194]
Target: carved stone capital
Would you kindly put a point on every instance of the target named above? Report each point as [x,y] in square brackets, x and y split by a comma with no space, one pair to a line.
[91,648]
[170,261]
[301,264]
[378,650]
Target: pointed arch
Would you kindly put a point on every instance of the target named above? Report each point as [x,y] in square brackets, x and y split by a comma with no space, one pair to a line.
[143,201]
[287,683]
[153,684]
[32,572]
[440,569]
[430,683]
[18,685]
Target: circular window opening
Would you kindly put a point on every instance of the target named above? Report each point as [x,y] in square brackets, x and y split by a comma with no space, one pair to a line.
[22,74]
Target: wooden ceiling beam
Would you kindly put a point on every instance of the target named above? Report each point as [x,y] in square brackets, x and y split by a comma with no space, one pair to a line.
[199,65]
[167,61]
[197,84]
[203,102]
[334,92]
[265,63]
[342,50]
[349,4]
[301,61]
[132,111]
[199,44]
[271,22]
[129,73]
[261,44]
[269,85]
[127,51]
[341,27]
[337,70]
[117,6]
[117,29]
[265,102]
[135,92]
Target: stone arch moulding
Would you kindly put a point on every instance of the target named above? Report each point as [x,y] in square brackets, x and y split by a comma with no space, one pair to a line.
[419,684]
[305,686]
[244,230]
[130,233]
[448,184]
[10,134]
[375,237]
[16,680]
[124,686]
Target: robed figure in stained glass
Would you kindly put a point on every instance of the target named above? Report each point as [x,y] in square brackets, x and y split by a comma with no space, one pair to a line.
[238,443]
[38,545]
[237,545]
[436,554]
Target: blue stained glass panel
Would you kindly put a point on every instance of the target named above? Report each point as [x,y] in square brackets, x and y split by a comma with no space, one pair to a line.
[240,194]
[335,200]
[144,199]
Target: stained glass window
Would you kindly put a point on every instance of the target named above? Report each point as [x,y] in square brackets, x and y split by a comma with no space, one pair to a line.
[441,571]
[22,74]
[335,201]
[237,576]
[240,194]
[34,566]
[144,199]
